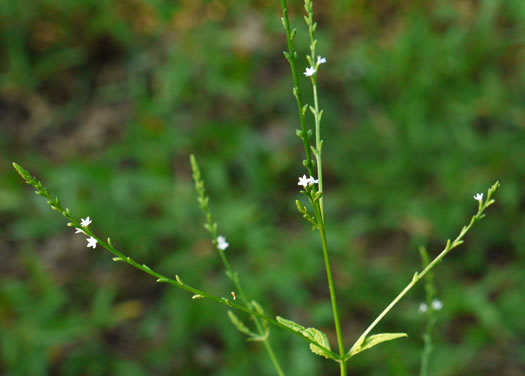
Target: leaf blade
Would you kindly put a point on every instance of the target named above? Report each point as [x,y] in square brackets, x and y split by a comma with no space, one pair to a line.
[372,341]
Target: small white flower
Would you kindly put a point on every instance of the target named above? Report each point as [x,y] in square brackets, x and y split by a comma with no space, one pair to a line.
[312,181]
[78,230]
[437,304]
[423,308]
[304,181]
[85,222]
[92,242]
[222,244]
[478,197]
[309,71]
[321,60]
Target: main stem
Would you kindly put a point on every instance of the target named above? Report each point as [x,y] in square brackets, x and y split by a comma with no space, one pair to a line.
[333,299]
[309,165]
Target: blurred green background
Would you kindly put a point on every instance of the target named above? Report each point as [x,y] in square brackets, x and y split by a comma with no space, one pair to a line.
[104,100]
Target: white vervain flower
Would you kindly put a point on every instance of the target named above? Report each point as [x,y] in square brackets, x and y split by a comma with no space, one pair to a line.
[309,71]
[423,308]
[304,181]
[478,197]
[222,244]
[321,60]
[437,304]
[85,222]
[92,242]
[312,181]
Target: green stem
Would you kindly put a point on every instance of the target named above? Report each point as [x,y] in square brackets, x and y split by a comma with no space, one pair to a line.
[318,144]
[430,291]
[332,295]
[428,347]
[273,358]
[342,367]
[234,277]
[418,276]
[242,295]
[317,114]
[292,57]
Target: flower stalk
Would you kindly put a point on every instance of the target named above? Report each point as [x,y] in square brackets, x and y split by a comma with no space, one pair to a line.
[482,205]
[55,204]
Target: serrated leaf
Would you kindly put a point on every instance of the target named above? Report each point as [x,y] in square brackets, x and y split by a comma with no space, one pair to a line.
[312,334]
[372,341]
[290,324]
[321,338]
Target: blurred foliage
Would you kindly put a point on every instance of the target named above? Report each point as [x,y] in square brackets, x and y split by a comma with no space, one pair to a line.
[104,101]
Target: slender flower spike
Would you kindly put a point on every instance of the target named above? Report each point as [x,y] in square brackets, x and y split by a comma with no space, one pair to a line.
[85,222]
[478,197]
[321,60]
[437,304]
[92,242]
[312,181]
[309,71]
[222,244]
[422,308]
[304,181]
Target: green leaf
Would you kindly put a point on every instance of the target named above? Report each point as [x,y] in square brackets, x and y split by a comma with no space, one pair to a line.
[290,324]
[372,341]
[240,325]
[260,311]
[312,334]
[321,338]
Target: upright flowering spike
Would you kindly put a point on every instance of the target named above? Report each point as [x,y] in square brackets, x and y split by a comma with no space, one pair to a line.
[304,181]
[222,244]
[321,60]
[309,71]
[92,242]
[478,197]
[85,222]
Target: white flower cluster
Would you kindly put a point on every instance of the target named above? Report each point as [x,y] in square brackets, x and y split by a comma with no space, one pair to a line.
[310,71]
[222,244]
[304,181]
[85,222]
[478,197]
[436,306]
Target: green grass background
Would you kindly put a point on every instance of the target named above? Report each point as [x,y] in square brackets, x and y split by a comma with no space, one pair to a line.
[105,100]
